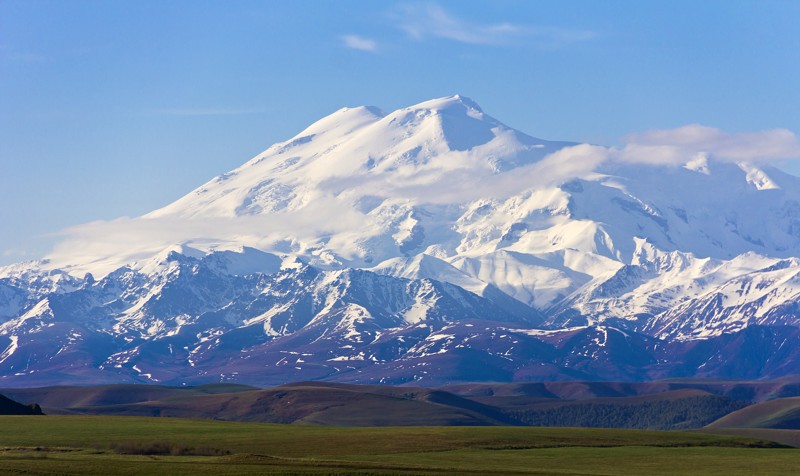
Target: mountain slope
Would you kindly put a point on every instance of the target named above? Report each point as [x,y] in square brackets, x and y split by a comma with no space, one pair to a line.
[367,235]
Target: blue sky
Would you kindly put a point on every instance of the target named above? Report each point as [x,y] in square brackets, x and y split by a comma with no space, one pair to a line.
[112,109]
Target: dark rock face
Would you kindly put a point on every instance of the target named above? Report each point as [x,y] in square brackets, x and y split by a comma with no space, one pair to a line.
[191,321]
[10,407]
[351,326]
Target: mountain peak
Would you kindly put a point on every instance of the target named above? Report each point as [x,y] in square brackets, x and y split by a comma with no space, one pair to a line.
[358,188]
[342,122]
[456,102]
[393,240]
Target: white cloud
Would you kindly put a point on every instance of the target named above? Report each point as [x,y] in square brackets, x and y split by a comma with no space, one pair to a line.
[103,246]
[470,177]
[455,177]
[676,146]
[422,21]
[359,43]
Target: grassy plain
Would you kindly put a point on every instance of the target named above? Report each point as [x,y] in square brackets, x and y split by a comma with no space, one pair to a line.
[90,445]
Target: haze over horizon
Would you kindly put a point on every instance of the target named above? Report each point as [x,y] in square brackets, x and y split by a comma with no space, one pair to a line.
[115,110]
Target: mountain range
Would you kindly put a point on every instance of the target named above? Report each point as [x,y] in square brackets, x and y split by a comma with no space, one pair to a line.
[431,245]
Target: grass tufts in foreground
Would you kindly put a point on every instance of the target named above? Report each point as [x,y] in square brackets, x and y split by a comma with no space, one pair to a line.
[133,445]
[164,448]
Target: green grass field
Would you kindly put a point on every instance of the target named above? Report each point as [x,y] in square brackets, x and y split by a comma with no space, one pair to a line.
[92,445]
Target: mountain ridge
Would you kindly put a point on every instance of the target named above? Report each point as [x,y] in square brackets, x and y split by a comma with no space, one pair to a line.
[369,234]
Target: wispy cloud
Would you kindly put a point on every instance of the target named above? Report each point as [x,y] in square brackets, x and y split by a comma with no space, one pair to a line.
[359,43]
[423,21]
[14,54]
[201,111]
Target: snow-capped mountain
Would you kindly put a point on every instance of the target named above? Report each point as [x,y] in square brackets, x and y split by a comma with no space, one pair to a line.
[434,244]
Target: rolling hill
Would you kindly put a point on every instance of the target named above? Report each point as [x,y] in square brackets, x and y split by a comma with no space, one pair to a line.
[587,404]
[10,407]
[781,413]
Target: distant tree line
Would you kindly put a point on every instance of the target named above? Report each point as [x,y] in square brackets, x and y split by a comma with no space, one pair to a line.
[681,413]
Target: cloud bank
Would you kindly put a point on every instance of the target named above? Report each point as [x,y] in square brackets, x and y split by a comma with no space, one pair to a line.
[679,145]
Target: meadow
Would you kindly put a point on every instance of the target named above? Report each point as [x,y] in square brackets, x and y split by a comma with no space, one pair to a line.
[141,445]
